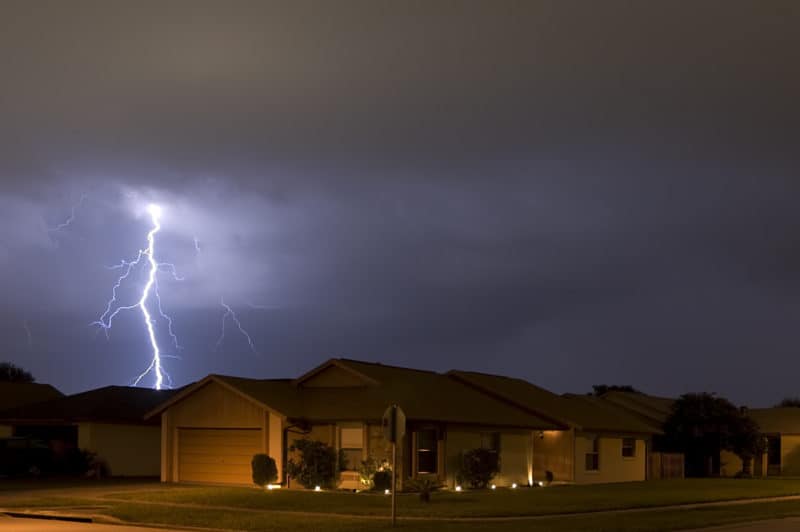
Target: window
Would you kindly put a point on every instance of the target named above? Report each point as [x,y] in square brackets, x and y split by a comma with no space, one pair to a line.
[491,441]
[628,447]
[352,446]
[773,450]
[593,455]
[427,451]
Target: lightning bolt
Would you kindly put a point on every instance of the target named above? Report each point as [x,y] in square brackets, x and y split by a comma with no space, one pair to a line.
[229,313]
[66,223]
[150,289]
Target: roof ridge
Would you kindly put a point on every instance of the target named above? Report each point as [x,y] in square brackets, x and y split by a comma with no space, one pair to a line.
[390,366]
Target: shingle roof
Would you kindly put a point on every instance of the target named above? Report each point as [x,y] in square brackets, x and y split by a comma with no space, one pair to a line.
[779,420]
[111,404]
[649,408]
[423,396]
[582,412]
[14,394]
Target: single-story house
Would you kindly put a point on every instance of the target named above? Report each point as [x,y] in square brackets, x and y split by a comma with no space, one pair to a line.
[600,443]
[212,429]
[781,427]
[108,421]
[15,394]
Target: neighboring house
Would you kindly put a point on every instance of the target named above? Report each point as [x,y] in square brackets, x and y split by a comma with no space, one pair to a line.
[108,421]
[600,444]
[211,430]
[781,426]
[15,394]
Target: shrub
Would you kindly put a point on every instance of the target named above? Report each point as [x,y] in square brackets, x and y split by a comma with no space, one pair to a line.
[318,464]
[382,480]
[478,467]
[373,471]
[548,477]
[424,486]
[264,470]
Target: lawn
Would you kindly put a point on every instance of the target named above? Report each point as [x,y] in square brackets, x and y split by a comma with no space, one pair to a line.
[505,502]
[253,509]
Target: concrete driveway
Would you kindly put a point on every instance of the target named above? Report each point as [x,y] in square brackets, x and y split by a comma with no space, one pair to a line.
[12,524]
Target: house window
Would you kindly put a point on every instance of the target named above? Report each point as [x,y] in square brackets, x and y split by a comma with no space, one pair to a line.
[427,451]
[593,456]
[352,446]
[774,450]
[628,447]
[491,441]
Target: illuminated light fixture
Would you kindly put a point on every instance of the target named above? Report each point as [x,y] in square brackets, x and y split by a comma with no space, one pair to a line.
[271,487]
[386,492]
[541,484]
[514,486]
[494,487]
[458,488]
[317,488]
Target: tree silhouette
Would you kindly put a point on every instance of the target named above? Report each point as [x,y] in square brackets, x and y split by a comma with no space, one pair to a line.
[13,373]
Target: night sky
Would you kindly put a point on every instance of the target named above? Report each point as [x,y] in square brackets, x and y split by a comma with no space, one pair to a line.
[569,192]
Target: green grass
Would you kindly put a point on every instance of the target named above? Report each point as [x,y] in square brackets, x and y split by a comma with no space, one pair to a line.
[521,502]
[651,521]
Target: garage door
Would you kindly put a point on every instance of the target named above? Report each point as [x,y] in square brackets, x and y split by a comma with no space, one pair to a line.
[217,455]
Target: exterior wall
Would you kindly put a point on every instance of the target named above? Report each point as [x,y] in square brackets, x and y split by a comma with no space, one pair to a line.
[457,442]
[215,407]
[553,451]
[613,466]
[325,433]
[129,450]
[790,454]
[6,431]
[515,463]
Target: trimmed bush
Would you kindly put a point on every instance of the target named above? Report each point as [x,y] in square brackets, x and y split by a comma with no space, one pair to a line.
[478,467]
[264,470]
[423,486]
[372,474]
[382,480]
[318,464]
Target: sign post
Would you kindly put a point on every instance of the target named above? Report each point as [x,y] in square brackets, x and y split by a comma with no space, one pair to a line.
[394,428]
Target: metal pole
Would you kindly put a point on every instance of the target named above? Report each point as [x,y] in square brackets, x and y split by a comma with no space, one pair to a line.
[394,483]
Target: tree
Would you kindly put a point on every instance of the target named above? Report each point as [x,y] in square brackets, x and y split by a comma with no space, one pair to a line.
[315,463]
[600,389]
[702,425]
[478,467]
[13,373]
[792,402]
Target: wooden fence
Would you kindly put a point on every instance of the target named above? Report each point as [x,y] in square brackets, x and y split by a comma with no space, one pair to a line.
[665,465]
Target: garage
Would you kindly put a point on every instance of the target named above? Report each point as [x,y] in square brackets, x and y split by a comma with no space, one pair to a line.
[217,455]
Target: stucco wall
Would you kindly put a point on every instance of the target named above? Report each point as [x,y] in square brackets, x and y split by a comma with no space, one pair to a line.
[613,466]
[457,442]
[514,459]
[552,451]
[790,455]
[129,450]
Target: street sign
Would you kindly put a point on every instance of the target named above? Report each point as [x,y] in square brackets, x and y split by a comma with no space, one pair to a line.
[394,424]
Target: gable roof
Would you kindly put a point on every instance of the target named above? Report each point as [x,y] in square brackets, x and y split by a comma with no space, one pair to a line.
[649,408]
[778,420]
[111,404]
[423,396]
[580,412]
[14,394]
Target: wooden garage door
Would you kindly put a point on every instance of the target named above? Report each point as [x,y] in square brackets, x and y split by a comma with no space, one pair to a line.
[217,455]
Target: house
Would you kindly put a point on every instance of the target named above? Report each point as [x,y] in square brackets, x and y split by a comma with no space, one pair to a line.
[108,421]
[781,427]
[15,394]
[211,430]
[600,444]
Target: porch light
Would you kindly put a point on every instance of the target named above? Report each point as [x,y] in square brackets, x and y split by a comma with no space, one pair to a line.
[317,488]
[458,488]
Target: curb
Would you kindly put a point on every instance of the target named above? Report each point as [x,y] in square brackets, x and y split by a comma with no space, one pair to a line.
[49,517]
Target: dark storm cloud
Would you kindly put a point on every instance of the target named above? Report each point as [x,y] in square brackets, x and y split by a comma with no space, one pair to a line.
[571,192]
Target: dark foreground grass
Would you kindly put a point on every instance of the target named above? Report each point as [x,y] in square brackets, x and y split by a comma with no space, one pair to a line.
[521,502]
[649,521]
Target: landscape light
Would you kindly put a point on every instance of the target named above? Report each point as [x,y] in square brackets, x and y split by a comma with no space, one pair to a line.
[541,484]
[317,488]
[458,488]
[514,486]
[273,487]
[494,487]
[386,492]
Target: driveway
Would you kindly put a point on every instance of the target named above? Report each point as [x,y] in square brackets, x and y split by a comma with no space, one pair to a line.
[12,524]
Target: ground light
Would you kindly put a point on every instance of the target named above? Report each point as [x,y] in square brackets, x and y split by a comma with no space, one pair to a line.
[317,488]
[514,486]
[458,488]
[494,487]
[386,492]
[273,487]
